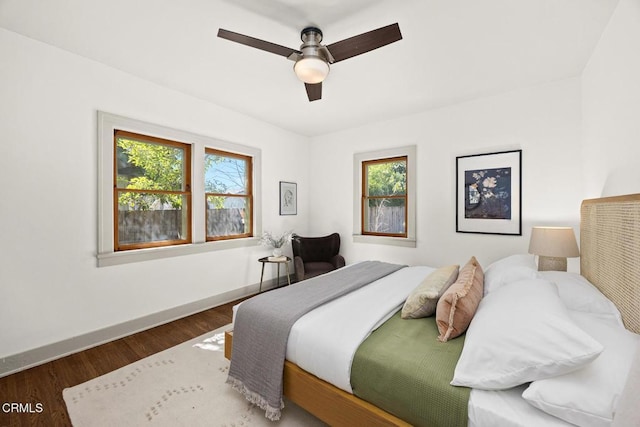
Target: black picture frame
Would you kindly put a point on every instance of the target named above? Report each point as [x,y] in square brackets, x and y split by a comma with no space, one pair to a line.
[288,198]
[489,193]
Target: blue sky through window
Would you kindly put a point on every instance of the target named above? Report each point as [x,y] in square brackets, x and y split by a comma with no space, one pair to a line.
[225,175]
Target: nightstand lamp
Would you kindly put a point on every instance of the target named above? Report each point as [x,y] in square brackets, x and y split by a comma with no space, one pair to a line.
[553,245]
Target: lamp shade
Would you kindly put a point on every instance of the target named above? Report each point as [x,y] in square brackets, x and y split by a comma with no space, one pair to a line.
[553,242]
[311,69]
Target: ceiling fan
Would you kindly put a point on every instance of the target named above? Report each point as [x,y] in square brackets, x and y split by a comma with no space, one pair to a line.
[313,59]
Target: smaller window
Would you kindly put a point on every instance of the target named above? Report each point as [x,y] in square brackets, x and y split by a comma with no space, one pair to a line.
[384,197]
[229,201]
[152,191]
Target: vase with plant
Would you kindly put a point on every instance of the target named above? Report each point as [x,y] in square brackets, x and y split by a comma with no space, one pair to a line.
[276,241]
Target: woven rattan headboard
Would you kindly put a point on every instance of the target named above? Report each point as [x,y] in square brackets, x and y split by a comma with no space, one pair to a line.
[610,252]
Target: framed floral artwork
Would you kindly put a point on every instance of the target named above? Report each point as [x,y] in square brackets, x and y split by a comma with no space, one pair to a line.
[488,199]
[288,198]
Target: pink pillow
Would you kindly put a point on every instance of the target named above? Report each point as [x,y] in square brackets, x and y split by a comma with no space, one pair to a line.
[458,304]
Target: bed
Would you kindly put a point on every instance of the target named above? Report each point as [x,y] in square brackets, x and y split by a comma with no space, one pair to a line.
[610,247]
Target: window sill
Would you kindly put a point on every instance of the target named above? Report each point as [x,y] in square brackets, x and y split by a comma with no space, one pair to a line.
[139,255]
[383,240]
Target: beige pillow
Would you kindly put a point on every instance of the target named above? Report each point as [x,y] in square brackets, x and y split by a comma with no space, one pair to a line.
[457,306]
[422,301]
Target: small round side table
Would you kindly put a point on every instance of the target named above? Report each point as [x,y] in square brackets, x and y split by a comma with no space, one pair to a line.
[273,260]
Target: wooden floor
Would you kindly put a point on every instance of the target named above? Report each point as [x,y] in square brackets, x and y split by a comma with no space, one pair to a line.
[44,384]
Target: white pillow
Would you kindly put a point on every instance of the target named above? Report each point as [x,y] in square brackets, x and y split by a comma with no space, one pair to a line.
[521,333]
[509,269]
[588,396]
[579,294]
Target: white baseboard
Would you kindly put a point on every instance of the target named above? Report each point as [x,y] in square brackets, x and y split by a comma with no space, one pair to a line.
[37,356]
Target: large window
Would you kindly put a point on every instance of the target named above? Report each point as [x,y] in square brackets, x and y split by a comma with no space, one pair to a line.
[384,188]
[163,192]
[152,191]
[384,197]
[228,195]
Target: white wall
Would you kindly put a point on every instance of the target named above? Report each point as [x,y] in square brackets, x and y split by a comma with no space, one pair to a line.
[543,121]
[611,107]
[579,139]
[50,287]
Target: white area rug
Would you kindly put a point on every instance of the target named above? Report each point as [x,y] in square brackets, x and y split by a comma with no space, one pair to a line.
[181,386]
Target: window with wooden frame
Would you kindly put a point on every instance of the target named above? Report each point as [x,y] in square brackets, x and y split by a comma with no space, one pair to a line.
[151,192]
[228,195]
[135,188]
[384,197]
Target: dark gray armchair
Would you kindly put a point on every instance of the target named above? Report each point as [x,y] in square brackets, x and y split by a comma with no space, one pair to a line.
[313,256]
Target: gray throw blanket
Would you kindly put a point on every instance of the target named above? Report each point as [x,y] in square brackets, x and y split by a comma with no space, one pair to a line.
[262,325]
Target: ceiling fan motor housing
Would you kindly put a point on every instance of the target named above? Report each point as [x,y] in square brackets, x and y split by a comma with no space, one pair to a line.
[311,32]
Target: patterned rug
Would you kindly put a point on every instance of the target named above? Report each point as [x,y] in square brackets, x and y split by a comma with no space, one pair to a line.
[181,386]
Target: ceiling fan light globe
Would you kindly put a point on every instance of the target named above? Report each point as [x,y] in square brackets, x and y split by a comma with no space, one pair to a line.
[312,69]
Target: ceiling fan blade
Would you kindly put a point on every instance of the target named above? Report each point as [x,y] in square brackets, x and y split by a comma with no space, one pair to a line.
[257,43]
[314,91]
[365,42]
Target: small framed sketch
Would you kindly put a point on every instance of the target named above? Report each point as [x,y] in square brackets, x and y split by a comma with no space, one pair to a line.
[488,199]
[288,198]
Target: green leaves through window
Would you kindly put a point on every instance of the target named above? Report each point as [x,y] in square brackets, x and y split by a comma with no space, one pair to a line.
[152,192]
[384,197]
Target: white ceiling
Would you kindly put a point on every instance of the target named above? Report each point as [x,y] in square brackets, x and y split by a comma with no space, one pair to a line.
[452,50]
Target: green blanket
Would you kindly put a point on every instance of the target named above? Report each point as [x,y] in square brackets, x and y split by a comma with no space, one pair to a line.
[402,368]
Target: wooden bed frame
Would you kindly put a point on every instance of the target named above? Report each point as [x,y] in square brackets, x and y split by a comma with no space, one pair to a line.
[330,404]
[610,259]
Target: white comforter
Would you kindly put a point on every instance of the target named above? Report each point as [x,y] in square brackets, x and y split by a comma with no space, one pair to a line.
[324,341]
